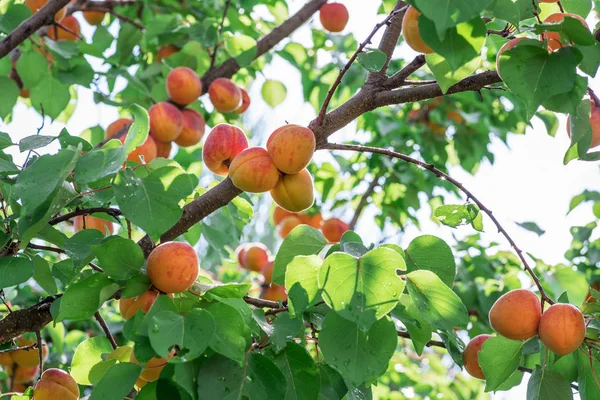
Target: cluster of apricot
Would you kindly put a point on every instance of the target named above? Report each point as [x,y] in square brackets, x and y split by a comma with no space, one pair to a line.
[256,257]
[228,97]
[285,221]
[23,365]
[334,17]
[517,315]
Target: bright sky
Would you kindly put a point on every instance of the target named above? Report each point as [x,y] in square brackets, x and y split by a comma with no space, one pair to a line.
[527,182]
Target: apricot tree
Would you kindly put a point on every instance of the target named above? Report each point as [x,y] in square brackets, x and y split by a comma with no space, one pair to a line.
[143,259]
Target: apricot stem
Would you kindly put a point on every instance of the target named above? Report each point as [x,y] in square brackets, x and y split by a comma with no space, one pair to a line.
[106,330]
[38,344]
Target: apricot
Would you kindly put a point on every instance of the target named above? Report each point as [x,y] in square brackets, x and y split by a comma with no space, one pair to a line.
[594,123]
[253,171]
[334,17]
[288,224]
[166,51]
[223,144]
[147,150]
[193,128]
[183,86]
[245,102]
[333,229]
[166,121]
[562,328]
[29,358]
[35,5]
[455,116]
[23,374]
[173,267]
[267,271]
[163,149]
[94,17]
[294,192]
[59,34]
[93,223]
[274,293]
[253,256]
[116,126]
[129,307]
[6,359]
[315,220]
[516,314]
[140,383]
[471,356]
[279,214]
[507,46]
[291,147]
[20,387]
[225,95]
[410,31]
[56,384]
[553,38]
[152,369]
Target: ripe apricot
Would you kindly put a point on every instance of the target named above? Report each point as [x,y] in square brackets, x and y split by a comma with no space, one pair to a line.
[294,192]
[93,223]
[288,224]
[166,51]
[516,314]
[291,147]
[333,229]
[507,46]
[23,374]
[35,5]
[147,150]
[267,271]
[245,102]
[193,128]
[254,256]
[471,356]
[116,126]
[129,307]
[166,121]
[163,149]
[562,328]
[56,384]
[223,144]
[594,123]
[225,95]
[410,31]
[29,358]
[553,38]
[152,369]
[173,267]
[315,220]
[6,359]
[274,293]
[183,86]
[94,17]
[334,17]
[140,383]
[279,214]
[59,34]
[455,116]
[253,171]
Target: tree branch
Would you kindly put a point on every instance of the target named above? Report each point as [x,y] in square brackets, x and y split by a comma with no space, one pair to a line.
[389,40]
[113,212]
[106,330]
[213,56]
[29,319]
[44,16]
[400,77]
[363,201]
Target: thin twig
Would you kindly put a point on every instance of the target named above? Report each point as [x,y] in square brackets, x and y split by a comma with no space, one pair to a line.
[106,330]
[363,201]
[38,337]
[274,311]
[535,10]
[28,347]
[431,343]
[45,248]
[95,267]
[213,56]
[261,303]
[113,212]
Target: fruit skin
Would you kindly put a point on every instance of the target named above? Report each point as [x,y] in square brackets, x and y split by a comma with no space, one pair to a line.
[223,144]
[193,128]
[279,214]
[595,124]
[166,51]
[166,121]
[56,384]
[173,267]
[288,224]
[410,31]
[315,220]
[148,150]
[334,17]
[267,271]
[129,307]
[93,223]
[163,149]
[117,126]
[225,95]
[253,256]
[94,17]
[29,358]
[152,369]
[253,171]
[59,34]
[294,192]
[291,147]
[140,383]
[553,38]
[562,328]
[516,314]
[183,86]
[471,356]
[23,374]
[245,102]
[333,229]
[507,46]
[274,293]
[6,359]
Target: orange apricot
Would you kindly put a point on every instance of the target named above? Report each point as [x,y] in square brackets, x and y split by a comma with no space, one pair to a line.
[35,5]
[455,116]
[56,384]
[253,171]
[117,126]
[594,123]
[516,314]
[93,223]
[471,356]
[553,38]
[23,374]
[294,192]
[6,359]
[245,102]
[152,369]
[410,31]
[166,121]
[94,17]
[315,220]
[173,267]
[267,271]
[140,383]
[288,224]
[59,34]
[291,147]
[333,229]
[163,149]
[183,86]
[225,95]
[29,358]
[166,51]
[223,144]
[274,293]
[562,328]
[334,17]
[147,150]
[252,256]
[130,306]
[279,214]
[193,128]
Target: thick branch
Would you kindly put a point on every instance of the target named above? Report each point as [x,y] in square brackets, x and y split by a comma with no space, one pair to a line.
[29,319]
[389,40]
[44,16]
[400,77]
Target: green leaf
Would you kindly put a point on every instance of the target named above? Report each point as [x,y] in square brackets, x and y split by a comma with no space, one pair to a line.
[302,284]
[363,289]
[228,338]
[548,385]
[120,258]
[139,327]
[431,253]
[14,15]
[301,372]
[32,66]
[591,58]
[358,356]
[372,61]
[285,328]
[532,227]
[117,382]
[43,275]
[242,47]
[550,121]
[579,7]
[191,333]
[568,102]
[163,389]
[512,11]
[136,286]
[82,299]
[499,358]
[303,240]
[273,92]
[98,164]
[352,244]
[138,131]
[35,142]
[10,94]
[332,384]
[50,96]
[438,304]
[15,270]
[447,76]
[457,214]
[230,290]
[89,361]
[448,13]
[419,329]
[79,246]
